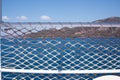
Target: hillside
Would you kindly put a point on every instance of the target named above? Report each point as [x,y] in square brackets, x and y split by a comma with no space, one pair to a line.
[77,32]
[108,20]
[74,32]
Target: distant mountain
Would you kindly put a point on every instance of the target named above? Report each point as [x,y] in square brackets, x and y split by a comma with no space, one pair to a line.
[77,32]
[108,20]
[80,31]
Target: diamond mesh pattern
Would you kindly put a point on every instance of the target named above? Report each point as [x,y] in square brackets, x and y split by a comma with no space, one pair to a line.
[61,54]
[42,53]
[21,76]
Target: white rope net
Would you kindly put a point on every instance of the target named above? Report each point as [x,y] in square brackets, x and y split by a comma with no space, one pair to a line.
[28,55]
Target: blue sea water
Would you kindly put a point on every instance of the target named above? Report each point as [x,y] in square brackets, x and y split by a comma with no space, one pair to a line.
[60,54]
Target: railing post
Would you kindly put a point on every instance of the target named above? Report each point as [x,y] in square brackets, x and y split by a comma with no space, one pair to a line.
[0,36]
[0,11]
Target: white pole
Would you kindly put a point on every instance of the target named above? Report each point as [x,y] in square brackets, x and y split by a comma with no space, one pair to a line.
[0,11]
[60,72]
[0,32]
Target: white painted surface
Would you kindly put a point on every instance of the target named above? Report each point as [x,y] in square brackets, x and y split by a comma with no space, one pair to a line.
[108,77]
[60,72]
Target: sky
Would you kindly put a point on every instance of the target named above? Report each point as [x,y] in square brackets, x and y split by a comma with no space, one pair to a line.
[59,10]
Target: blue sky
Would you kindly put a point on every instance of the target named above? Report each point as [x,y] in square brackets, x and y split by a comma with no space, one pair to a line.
[59,10]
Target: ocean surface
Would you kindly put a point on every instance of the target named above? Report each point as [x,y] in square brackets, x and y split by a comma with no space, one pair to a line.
[59,54]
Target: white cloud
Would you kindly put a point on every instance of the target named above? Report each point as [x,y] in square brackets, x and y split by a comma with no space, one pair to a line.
[5,18]
[21,17]
[44,17]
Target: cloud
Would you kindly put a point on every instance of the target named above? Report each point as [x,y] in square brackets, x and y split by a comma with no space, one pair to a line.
[21,17]
[5,18]
[44,17]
